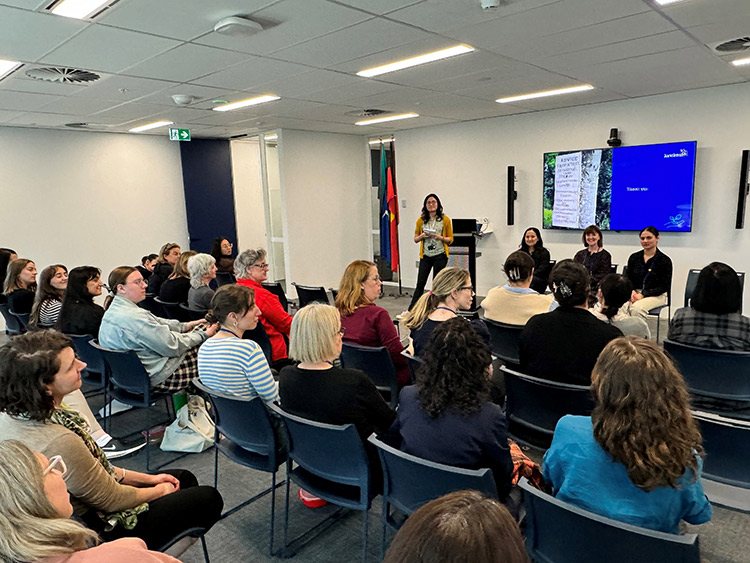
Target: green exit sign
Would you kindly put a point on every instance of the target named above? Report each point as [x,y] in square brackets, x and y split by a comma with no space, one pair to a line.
[179,134]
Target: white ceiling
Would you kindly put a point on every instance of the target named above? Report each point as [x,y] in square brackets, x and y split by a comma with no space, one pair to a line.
[310,51]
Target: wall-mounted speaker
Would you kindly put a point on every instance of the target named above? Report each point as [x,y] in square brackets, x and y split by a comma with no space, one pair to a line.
[512,194]
[742,195]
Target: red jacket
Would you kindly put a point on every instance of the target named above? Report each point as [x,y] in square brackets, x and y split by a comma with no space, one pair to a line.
[274,318]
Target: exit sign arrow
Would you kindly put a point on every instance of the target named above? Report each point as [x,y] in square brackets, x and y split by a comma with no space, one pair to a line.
[179,134]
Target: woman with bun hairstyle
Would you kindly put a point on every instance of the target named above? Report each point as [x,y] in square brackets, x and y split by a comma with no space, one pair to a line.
[650,272]
[515,302]
[593,257]
[563,345]
[637,458]
[614,292]
[533,245]
[165,263]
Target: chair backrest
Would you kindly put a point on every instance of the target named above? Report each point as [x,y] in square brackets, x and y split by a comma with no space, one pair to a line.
[174,311]
[692,281]
[23,319]
[153,307]
[727,446]
[613,268]
[558,532]
[719,374]
[225,278]
[377,363]
[415,362]
[194,314]
[245,422]
[504,340]
[410,481]
[87,353]
[535,405]
[278,291]
[12,324]
[310,294]
[127,374]
[334,292]
[260,337]
[333,452]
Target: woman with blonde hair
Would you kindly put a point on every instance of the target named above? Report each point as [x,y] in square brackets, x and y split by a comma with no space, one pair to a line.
[364,322]
[35,515]
[637,458]
[177,287]
[451,291]
[202,269]
[165,263]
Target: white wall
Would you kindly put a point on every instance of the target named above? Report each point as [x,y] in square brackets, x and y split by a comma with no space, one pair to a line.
[89,198]
[325,196]
[248,194]
[465,164]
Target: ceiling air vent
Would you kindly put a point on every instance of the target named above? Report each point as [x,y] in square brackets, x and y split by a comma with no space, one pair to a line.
[62,75]
[88,126]
[738,45]
[366,112]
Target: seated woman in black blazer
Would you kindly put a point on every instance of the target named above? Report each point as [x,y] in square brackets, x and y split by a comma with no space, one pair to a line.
[177,287]
[79,314]
[533,245]
[650,272]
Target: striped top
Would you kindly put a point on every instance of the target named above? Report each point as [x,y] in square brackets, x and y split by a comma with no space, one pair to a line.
[49,310]
[237,367]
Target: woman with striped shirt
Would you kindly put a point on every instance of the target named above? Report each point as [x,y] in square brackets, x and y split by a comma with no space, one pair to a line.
[49,295]
[227,362]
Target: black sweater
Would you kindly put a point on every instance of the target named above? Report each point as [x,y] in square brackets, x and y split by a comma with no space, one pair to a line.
[653,277]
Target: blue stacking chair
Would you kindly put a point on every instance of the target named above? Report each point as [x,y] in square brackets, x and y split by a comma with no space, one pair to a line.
[307,294]
[12,325]
[415,362]
[558,532]
[96,370]
[225,278]
[174,311]
[331,464]
[194,314]
[260,337]
[504,340]
[192,533]
[245,434]
[410,481]
[377,363]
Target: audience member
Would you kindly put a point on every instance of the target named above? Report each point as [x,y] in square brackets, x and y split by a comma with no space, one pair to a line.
[226,362]
[146,267]
[167,348]
[35,515]
[650,272]
[563,345]
[165,263]
[36,371]
[53,282]
[6,257]
[451,291]
[202,269]
[251,270]
[515,302]
[460,526]
[177,287]
[79,314]
[593,257]
[614,306]
[637,458]
[713,319]
[533,245]
[364,322]
[20,286]
[221,250]
[447,417]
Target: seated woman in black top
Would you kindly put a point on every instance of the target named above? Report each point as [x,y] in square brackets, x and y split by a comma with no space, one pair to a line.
[594,258]
[165,263]
[650,272]
[147,265]
[533,245]
[563,345]
[451,291]
[20,286]
[177,287]
[221,250]
[447,417]
[53,282]
[79,314]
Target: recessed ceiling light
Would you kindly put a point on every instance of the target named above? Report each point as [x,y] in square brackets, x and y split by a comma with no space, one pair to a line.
[546,93]
[154,125]
[378,141]
[245,103]
[418,60]
[387,118]
[667,2]
[6,67]
[738,62]
[273,137]
[78,9]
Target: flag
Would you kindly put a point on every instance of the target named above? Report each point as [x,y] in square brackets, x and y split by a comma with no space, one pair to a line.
[393,208]
[385,215]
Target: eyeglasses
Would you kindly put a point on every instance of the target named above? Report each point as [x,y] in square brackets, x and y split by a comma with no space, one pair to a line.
[56,463]
[139,281]
[469,287]
[342,331]
[261,266]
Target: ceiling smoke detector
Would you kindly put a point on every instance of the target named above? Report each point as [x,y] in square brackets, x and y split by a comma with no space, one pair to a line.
[739,45]
[366,112]
[237,25]
[62,75]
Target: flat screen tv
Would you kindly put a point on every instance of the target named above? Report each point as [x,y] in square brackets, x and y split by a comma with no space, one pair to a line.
[621,188]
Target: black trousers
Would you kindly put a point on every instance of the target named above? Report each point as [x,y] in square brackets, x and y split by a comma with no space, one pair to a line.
[427,263]
[168,516]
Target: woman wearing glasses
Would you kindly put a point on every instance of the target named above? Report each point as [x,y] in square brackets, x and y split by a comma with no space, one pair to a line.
[221,250]
[366,323]
[251,270]
[451,291]
[167,348]
[36,371]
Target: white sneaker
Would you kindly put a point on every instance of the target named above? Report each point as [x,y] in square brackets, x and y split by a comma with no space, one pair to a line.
[402,315]
[117,407]
[113,448]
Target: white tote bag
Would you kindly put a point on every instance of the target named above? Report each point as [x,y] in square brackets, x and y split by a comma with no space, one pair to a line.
[192,431]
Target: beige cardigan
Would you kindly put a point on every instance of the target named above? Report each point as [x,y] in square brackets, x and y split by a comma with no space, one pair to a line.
[513,308]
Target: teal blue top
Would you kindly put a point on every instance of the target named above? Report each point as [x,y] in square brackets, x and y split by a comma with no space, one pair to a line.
[582,473]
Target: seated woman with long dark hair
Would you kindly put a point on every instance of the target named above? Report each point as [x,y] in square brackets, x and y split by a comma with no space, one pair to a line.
[36,371]
[713,319]
[79,314]
[20,286]
[35,515]
[613,307]
[364,322]
[53,282]
[447,417]
[533,245]
[637,458]
[221,250]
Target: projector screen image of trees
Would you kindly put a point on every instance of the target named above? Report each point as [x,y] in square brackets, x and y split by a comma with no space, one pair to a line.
[622,188]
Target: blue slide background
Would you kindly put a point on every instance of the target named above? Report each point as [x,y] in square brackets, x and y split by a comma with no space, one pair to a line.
[651,189]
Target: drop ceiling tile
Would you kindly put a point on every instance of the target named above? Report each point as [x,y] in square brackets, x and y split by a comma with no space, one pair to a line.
[26,36]
[523,84]
[219,118]
[53,119]
[108,49]
[690,14]
[21,83]
[300,85]
[179,19]
[200,93]
[24,101]
[458,107]
[129,111]
[77,105]
[7,115]
[351,43]
[30,5]
[724,31]
[595,96]
[186,62]
[380,6]
[287,23]
[350,93]
[123,88]
[396,100]
[503,70]
[310,110]
[255,72]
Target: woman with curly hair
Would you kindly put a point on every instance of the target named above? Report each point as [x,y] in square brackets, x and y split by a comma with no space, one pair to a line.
[447,417]
[637,458]
[53,281]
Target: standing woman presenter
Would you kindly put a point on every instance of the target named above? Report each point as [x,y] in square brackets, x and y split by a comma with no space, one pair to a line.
[434,233]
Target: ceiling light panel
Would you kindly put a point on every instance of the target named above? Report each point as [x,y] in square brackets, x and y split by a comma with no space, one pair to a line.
[667,2]
[246,103]
[737,62]
[78,9]
[416,61]
[6,67]
[546,93]
[387,118]
[150,126]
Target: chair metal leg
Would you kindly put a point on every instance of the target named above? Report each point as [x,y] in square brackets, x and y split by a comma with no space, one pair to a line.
[384,523]
[216,464]
[365,513]
[273,512]
[148,447]
[205,548]
[286,505]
